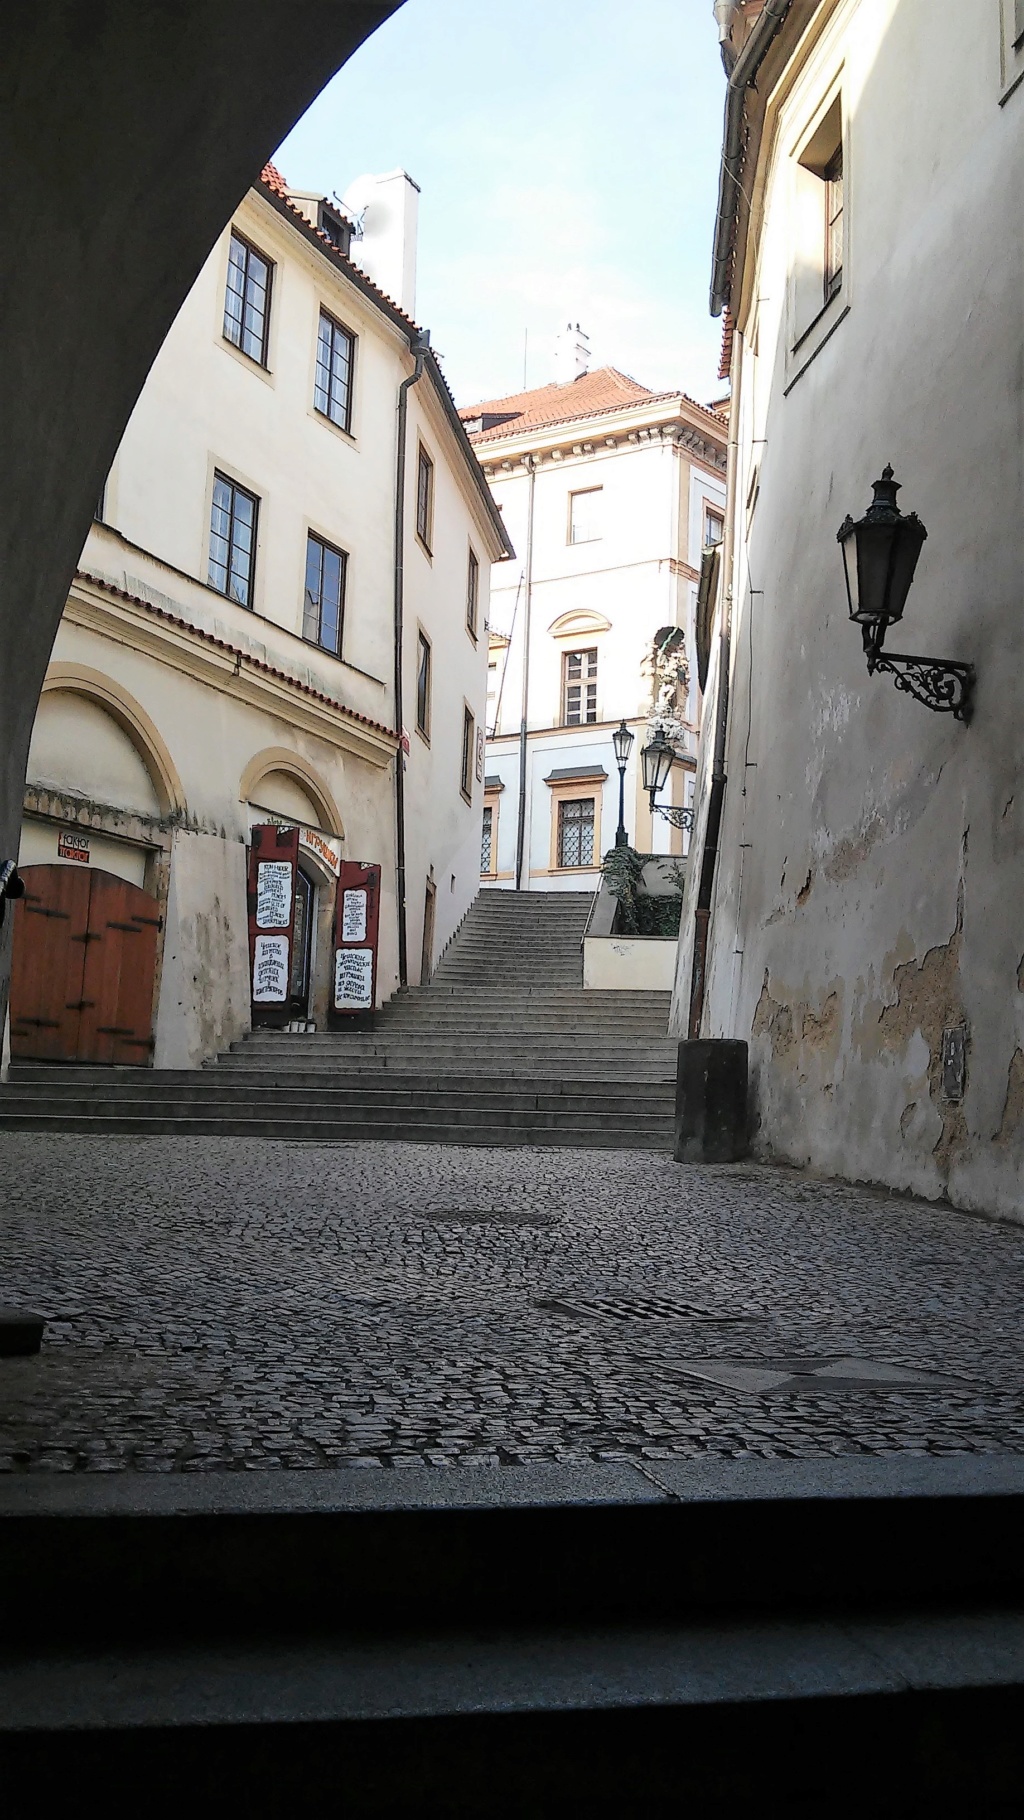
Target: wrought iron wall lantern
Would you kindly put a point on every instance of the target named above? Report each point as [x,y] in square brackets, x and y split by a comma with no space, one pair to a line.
[880,553]
[657,760]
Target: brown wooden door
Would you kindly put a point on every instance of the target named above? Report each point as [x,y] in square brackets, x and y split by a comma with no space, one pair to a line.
[120,967]
[51,923]
[84,966]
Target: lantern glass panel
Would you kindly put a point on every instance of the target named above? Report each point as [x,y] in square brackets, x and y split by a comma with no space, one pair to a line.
[876,553]
[656,760]
[622,740]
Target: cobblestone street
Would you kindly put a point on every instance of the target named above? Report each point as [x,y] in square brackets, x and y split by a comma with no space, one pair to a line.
[215,1305]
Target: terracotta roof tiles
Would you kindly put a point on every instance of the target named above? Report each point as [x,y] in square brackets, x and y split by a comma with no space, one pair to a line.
[591,395]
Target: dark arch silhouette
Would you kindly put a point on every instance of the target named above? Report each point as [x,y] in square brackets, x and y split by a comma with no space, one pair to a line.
[129,131]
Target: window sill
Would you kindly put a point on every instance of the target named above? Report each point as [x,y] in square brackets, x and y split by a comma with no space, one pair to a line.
[425,547]
[465,796]
[251,364]
[339,429]
[804,352]
[425,737]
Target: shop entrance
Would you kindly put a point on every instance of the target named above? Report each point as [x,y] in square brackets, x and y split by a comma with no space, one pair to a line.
[302,944]
[84,967]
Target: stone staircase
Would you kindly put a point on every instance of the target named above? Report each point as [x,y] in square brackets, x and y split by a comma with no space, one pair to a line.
[503,1047]
[708,1637]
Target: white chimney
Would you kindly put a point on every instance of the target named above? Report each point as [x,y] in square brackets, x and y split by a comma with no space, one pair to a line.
[384,245]
[572,354]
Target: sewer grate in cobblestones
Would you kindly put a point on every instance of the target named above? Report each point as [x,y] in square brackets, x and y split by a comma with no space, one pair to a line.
[642,1308]
[783,1377]
[489,1216]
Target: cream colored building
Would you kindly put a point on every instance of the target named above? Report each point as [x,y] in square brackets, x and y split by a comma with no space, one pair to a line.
[866,931]
[611,494]
[227,656]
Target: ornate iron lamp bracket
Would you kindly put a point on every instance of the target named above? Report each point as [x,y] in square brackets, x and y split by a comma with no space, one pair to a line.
[677,818]
[942,684]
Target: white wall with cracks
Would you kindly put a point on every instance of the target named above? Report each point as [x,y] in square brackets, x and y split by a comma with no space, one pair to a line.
[870,886]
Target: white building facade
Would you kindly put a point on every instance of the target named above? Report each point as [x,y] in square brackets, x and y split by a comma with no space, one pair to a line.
[610,494]
[253,629]
[866,934]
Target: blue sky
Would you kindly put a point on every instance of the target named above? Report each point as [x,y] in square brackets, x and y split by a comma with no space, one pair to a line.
[567,152]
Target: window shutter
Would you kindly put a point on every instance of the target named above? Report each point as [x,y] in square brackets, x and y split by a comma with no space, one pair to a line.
[273,857]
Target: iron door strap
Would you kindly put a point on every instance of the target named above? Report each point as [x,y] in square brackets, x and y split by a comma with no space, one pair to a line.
[114,1030]
[89,936]
[40,910]
[38,1023]
[129,928]
[82,1004]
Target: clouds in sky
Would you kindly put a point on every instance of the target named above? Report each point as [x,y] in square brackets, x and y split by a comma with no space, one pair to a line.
[568,156]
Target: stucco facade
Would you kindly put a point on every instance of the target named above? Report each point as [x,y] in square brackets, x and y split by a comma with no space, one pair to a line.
[609,494]
[866,918]
[175,716]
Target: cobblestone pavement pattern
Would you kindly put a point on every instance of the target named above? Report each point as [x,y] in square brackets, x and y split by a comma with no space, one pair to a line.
[215,1305]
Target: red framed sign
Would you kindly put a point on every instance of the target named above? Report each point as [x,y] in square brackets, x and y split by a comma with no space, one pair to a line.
[273,858]
[356,926]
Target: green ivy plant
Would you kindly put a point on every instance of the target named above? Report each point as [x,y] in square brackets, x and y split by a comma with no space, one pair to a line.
[640,913]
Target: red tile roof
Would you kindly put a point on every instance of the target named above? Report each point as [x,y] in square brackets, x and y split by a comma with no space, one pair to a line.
[246,657]
[591,395]
[272,180]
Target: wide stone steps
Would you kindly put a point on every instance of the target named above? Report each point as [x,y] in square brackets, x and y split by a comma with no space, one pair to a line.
[503,1047]
[707,1637]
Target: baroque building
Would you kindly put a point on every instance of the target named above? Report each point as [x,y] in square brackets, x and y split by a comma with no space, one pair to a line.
[268,686]
[611,494]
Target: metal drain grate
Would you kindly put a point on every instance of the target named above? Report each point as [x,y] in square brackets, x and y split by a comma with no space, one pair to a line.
[487,1216]
[641,1308]
[820,1376]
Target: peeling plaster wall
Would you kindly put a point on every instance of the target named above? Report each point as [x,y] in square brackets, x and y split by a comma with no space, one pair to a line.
[871,881]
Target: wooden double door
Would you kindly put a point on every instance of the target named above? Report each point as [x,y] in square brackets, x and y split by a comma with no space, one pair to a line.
[84,967]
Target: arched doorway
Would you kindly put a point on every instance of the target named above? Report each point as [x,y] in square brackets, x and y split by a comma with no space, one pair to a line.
[285,792]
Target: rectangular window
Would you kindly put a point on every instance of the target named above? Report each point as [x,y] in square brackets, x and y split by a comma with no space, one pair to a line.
[583,515]
[487,842]
[472,593]
[468,742]
[423,686]
[247,300]
[233,519]
[714,527]
[579,687]
[323,609]
[576,832]
[335,356]
[834,224]
[424,498]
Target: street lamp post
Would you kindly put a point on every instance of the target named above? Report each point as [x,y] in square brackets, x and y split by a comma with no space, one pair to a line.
[622,740]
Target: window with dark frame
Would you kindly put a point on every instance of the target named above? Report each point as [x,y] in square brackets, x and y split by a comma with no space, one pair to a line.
[423,685]
[234,513]
[323,608]
[1018,24]
[332,385]
[247,300]
[579,687]
[576,832]
[714,527]
[487,842]
[834,224]
[468,740]
[424,497]
[472,592]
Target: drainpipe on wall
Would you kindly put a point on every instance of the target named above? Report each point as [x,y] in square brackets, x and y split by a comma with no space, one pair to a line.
[418,348]
[524,716]
[742,74]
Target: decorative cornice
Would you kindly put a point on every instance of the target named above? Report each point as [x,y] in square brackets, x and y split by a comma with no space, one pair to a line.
[106,609]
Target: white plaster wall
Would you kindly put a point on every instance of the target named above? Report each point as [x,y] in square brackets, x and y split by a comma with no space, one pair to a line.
[203,1002]
[617,963]
[872,864]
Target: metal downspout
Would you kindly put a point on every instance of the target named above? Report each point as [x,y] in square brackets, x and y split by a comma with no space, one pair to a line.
[418,348]
[741,76]
[524,714]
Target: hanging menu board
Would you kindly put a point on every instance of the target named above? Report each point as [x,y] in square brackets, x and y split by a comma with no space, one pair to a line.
[353,979]
[273,894]
[270,970]
[353,916]
[356,924]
